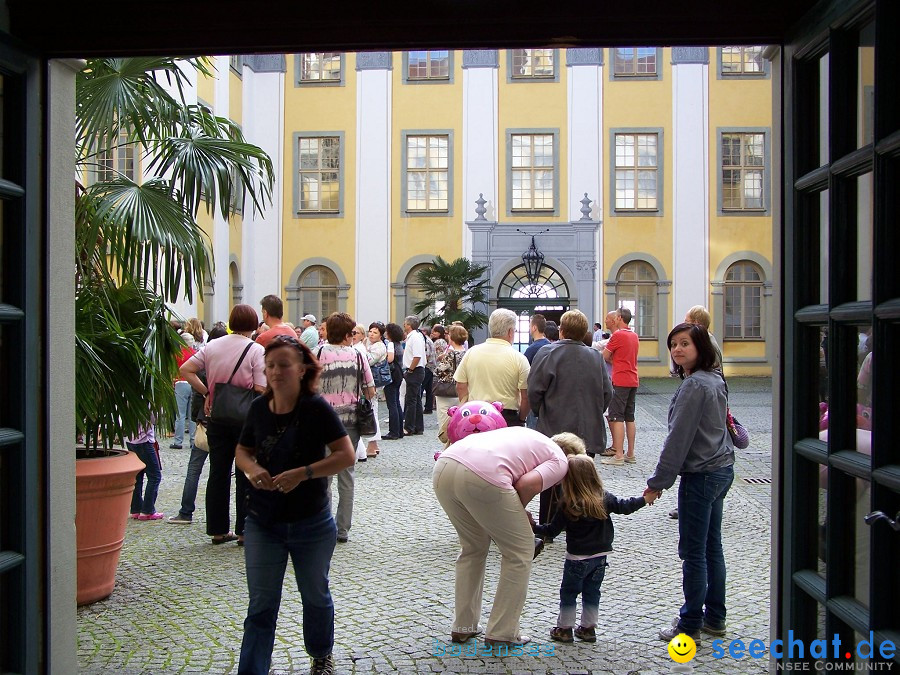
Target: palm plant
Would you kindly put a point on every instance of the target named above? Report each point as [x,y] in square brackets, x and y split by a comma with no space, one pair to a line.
[459,285]
[138,244]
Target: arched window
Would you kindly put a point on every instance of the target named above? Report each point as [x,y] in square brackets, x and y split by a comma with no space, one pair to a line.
[414,292]
[743,301]
[636,289]
[549,284]
[318,292]
[237,288]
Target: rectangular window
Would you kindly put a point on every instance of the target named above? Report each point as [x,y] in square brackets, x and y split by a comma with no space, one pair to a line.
[743,171]
[319,174]
[236,62]
[429,65]
[320,67]
[532,172]
[116,160]
[635,61]
[742,61]
[743,315]
[637,172]
[427,173]
[532,64]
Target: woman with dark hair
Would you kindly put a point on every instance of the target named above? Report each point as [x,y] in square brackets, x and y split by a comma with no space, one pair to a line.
[392,391]
[346,377]
[238,358]
[699,448]
[292,441]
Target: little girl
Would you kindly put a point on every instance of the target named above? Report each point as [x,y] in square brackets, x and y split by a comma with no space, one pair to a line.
[584,515]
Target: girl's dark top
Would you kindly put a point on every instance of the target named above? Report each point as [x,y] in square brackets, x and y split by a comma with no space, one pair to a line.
[589,536]
[306,431]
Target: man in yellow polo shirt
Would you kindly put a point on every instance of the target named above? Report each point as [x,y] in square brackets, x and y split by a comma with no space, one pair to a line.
[495,371]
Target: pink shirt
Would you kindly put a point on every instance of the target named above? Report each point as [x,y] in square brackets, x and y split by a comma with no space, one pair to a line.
[503,456]
[219,357]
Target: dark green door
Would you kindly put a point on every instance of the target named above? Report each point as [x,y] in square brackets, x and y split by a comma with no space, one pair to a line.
[838,536]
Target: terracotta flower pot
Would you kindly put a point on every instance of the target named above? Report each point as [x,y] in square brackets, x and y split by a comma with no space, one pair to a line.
[104,486]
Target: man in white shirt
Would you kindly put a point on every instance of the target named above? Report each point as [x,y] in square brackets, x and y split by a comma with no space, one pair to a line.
[310,335]
[413,375]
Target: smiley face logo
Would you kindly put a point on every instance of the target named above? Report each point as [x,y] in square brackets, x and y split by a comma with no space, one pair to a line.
[682,648]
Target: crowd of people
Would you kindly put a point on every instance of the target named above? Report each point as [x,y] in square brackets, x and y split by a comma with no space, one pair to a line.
[285,405]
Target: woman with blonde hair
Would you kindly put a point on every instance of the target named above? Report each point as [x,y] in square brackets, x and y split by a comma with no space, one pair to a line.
[584,515]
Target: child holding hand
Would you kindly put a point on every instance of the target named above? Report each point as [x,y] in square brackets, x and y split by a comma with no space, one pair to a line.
[584,515]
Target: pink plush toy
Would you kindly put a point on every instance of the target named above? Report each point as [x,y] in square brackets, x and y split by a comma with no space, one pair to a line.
[474,417]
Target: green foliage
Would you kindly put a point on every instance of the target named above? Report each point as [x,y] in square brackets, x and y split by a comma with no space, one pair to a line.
[459,285]
[138,244]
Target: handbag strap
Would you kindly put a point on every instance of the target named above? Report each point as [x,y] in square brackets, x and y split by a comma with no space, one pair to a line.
[359,368]
[240,361]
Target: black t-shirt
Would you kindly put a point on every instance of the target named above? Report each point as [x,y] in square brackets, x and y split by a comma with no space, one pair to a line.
[311,426]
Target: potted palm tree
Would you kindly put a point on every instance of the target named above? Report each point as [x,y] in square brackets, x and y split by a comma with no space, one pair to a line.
[137,247]
[459,286]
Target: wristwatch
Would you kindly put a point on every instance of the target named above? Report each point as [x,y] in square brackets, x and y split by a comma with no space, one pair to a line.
[309,472]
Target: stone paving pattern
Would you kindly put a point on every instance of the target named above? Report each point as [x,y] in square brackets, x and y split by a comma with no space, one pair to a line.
[179,602]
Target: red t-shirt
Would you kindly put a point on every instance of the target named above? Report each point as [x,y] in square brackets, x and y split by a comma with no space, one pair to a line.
[266,337]
[624,345]
[185,354]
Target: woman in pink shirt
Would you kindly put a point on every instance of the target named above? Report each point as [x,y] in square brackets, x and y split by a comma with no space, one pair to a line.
[483,483]
[218,358]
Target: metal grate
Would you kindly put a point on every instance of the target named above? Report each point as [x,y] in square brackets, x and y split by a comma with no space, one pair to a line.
[758,481]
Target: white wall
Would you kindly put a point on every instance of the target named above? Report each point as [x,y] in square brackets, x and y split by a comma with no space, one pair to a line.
[480,146]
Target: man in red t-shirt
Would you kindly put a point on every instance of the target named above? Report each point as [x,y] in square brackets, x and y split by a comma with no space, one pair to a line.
[622,352]
[272,313]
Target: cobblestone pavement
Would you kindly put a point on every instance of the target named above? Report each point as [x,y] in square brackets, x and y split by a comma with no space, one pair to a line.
[179,603]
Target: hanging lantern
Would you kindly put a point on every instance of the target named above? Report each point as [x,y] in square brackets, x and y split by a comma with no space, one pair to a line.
[533,260]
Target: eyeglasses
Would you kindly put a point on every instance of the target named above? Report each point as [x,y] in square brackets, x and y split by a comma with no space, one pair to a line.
[280,340]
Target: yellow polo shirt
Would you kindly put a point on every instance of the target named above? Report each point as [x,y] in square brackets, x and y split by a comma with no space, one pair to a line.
[494,371]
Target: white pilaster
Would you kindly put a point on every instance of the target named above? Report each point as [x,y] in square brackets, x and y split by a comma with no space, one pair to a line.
[372,282]
[585,151]
[481,141]
[221,300]
[690,220]
[263,117]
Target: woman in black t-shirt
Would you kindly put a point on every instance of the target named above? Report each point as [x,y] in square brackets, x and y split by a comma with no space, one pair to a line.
[291,442]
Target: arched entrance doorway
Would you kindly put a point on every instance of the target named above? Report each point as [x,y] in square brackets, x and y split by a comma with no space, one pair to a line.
[549,295]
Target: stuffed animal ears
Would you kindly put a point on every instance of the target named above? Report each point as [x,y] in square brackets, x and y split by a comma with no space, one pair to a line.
[498,406]
[451,411]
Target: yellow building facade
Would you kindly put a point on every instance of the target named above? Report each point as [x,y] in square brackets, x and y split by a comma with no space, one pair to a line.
[643,176]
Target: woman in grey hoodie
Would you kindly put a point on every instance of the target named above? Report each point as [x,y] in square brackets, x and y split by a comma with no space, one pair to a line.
[700,449]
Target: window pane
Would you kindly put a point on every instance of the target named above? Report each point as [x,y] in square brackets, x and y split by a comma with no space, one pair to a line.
[823,200]
[624,189]
[646,61]
[646,150]
[625,150]
[865,198]
[731,60]
[865,88]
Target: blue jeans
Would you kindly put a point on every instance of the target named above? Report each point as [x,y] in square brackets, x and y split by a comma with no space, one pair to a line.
[183,400]
[310,543]
[413,421]
[191,481]
[395,413]
[701,498]
[146,452]
[581,577]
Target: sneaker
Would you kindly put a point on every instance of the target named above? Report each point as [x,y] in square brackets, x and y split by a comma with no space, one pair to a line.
[462,638]
[152,516]
[175,446]
[609,452]
[630,459]
[673,514]
[343,538]
[586,634]
[323,666]
[613,461]
[718,632]
[180,520]
[668,634]
[561,634]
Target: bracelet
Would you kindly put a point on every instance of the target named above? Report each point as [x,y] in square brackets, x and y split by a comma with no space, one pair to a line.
[309,472]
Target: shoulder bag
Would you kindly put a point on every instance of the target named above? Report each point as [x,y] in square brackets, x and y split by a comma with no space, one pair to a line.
[444,384]
[230,402]
[365,413]
[381,373]
[740,437]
